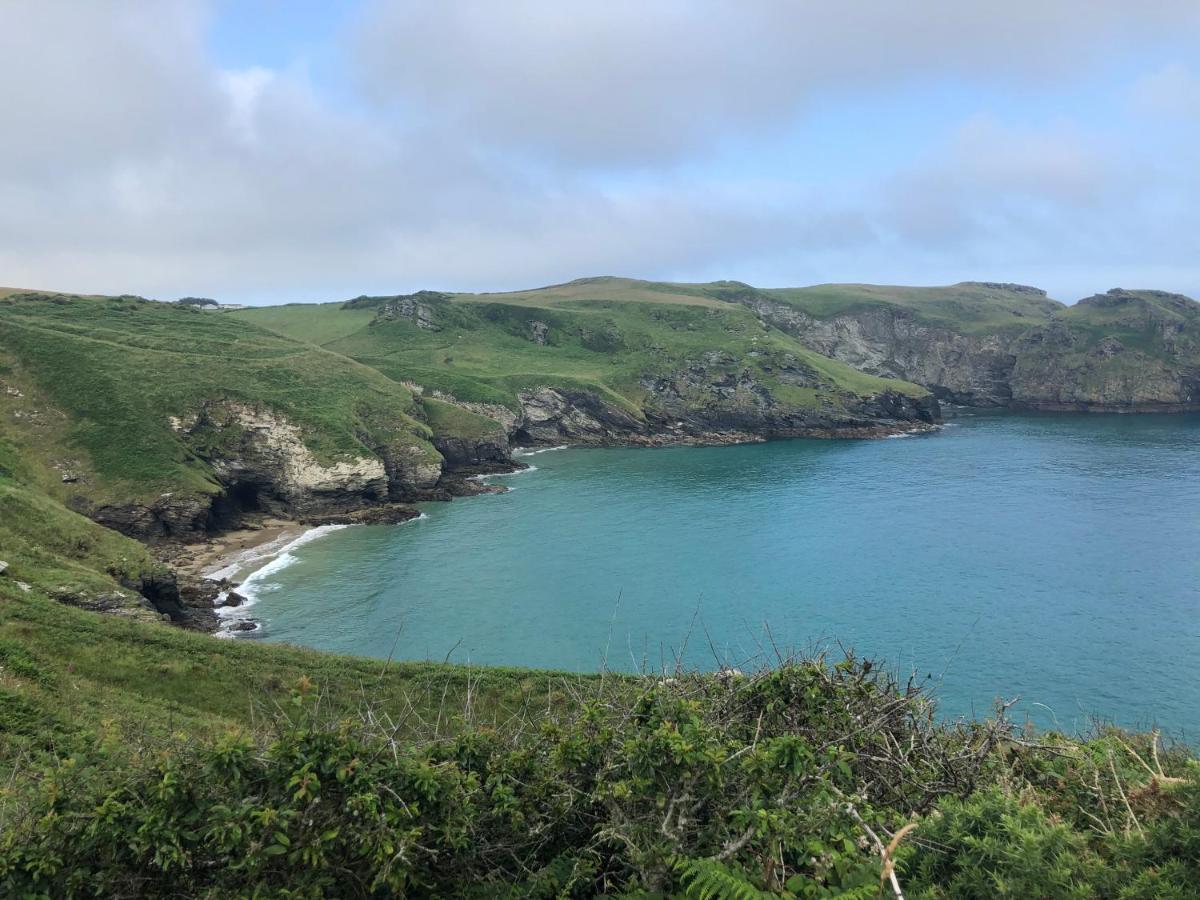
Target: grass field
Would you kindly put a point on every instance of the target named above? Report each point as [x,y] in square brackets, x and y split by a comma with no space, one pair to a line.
[138,759]
[606,335]
[967,308]
[101,379]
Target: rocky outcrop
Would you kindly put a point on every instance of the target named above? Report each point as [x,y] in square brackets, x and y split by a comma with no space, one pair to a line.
[892,342]
[409,468]
[1061,363]
[126,604]
[261,465]
[718,398]
[710,405]
[557,415]
[170,515]
[418,307]
[459,451]
[409,308]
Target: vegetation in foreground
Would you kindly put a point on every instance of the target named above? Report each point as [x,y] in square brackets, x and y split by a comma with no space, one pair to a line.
[145,761]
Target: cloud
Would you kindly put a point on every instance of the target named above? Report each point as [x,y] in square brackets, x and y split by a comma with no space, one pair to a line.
[507,145]
[629,81]
[1172,91]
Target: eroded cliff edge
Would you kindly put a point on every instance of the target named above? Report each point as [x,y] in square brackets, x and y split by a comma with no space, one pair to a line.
[1121,351]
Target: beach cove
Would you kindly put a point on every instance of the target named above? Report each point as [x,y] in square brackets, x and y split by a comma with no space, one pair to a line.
[634,559]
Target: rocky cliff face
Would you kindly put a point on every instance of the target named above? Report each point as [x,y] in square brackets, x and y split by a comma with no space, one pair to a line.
[704,405]
[260,464]
[1123,351]
[893,343]
[1074,361]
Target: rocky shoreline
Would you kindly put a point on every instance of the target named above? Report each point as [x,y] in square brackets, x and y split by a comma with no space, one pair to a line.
[271,484]
[206,573]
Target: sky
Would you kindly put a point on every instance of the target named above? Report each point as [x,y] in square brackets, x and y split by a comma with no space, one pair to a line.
[267,151]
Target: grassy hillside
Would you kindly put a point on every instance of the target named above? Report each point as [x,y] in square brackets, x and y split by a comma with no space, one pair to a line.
[602,334]
[605,287]
[969,307]
[91,385]
[142,761]
[67,674]
[55,551]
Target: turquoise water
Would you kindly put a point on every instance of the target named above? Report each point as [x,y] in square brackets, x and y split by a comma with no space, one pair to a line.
[1051,557]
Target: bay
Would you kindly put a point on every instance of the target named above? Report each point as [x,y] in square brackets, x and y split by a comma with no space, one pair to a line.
[1051,557]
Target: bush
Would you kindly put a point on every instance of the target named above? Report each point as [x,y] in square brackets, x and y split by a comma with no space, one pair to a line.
[787,781]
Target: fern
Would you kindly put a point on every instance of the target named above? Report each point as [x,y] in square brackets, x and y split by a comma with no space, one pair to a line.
[708,879]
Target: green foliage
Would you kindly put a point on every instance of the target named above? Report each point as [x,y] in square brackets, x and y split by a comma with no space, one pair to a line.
[1001,848]
[708,879]
[104,377]
[604,336]
[697,783]
[446,782]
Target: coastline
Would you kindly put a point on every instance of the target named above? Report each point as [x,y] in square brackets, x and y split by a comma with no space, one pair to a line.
[214,573]
[232,555]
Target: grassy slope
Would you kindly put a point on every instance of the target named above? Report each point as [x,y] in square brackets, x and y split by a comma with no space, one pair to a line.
[966,307]
[450,420]
[50,547]
[66,673]
[1138,319]
[101,378]
[603,334]
[605,287]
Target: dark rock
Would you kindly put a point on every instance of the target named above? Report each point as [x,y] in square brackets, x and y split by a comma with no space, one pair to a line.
[233,598]
[118,603]
[470,487]
[460,452]
[244,625]
[171,516]
[390,514]
[416,307]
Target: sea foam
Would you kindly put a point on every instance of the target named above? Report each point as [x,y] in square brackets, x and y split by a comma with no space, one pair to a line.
[258,582]
[525,451]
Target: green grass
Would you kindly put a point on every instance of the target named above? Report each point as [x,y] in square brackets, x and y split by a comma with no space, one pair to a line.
[605,288]
[603,335]
[315,323]
[52,548]
[87,672]
[454,421]
[969,308]
[103,377]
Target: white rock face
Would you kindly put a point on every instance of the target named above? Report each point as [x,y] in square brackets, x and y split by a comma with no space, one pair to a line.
[270,458]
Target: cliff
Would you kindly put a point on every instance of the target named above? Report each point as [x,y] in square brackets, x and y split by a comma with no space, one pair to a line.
[985,344]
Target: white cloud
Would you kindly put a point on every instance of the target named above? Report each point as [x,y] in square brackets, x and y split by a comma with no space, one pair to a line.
[505,145]
[634,81]
[1172,91]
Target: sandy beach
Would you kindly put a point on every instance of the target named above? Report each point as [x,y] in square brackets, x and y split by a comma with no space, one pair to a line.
[237,554]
